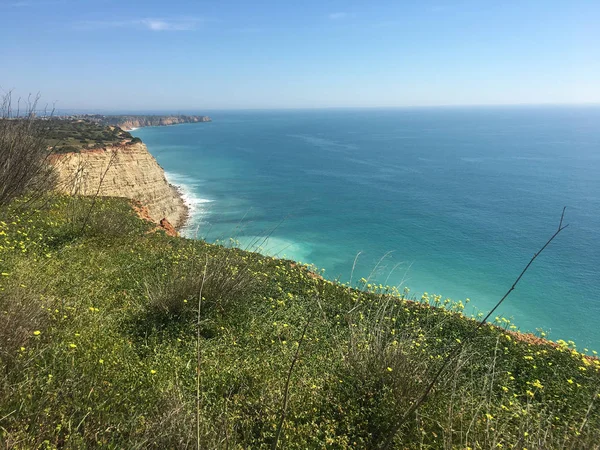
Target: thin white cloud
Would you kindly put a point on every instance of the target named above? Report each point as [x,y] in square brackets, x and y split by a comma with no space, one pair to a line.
[168,25]
[338,15]
[148,23]
[30,3]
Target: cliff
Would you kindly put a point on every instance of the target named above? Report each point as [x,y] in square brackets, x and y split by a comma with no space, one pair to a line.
[121,171]
[128,122]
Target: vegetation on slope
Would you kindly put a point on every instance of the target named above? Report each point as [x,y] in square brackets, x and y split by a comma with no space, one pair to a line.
[111,336]
[65,135]
[26,140]
[126,121]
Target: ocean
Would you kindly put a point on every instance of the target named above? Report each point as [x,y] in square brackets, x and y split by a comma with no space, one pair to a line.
[449,201]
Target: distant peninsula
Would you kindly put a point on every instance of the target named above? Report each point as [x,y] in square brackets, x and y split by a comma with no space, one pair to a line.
[130,122]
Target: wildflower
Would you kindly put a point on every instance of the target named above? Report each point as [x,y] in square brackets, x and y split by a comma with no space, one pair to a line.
[537,384]
[37,332]
[101,361]
[570,381]
[153,371]
[389,369]
[72,345]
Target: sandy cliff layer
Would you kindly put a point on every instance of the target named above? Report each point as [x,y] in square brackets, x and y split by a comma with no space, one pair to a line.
[129,122]
[125,171]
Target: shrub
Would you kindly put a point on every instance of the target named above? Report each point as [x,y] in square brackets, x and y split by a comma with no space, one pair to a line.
[222,278]
[23,151]
[21,319]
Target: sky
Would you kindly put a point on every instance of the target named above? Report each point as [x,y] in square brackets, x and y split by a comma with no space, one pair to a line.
[182,55]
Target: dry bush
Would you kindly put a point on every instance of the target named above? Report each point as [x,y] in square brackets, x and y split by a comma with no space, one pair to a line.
[21,315]
[384,365]
[173,425]
[24,151]
[223,278]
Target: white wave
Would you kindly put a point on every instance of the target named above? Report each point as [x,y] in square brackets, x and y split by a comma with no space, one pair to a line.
[197,206]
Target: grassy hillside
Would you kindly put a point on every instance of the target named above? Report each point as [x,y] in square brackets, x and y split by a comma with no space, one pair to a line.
[114,337]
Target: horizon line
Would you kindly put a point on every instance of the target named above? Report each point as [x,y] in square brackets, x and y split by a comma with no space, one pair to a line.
[312,108]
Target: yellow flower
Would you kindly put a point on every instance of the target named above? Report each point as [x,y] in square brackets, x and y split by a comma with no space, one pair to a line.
[570,381]
[37,333]
[389,369]
[537,384]
[72,345]
[101,361]
[153,371]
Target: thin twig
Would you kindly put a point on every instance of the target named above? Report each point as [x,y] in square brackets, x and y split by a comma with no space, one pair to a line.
[286,389]
[113,157]
[354,266]
[459,346]
[589,410]
[198,356]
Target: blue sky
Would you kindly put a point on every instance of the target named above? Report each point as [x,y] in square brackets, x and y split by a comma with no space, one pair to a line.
[194,55]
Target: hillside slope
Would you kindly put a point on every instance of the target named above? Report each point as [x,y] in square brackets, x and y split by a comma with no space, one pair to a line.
[114,337]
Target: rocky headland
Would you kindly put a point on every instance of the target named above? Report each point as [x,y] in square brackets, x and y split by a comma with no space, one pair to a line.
[129,122]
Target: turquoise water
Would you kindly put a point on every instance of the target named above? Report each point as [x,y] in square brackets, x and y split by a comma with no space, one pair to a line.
[455,200]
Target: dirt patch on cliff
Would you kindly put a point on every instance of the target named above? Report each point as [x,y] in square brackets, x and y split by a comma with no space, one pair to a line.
[163,225]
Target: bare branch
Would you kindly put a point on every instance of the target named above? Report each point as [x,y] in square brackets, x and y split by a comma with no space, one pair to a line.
[460,345]
[286,389]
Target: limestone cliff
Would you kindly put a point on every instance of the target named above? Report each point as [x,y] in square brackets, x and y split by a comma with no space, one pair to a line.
[127,170]
[129,122]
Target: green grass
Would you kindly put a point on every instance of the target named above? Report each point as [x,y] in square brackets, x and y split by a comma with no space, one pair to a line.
[101,340]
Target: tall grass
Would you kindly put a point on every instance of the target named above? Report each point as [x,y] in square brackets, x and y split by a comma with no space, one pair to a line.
[149,341]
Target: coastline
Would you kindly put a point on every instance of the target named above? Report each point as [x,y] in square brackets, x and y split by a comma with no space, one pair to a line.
[184,213]
[185,207]
[193,203]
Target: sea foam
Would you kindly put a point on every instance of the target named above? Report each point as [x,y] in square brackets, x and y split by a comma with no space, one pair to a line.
[197,206]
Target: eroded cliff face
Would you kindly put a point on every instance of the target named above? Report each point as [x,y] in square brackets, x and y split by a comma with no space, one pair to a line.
[123,171]
[129,122]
